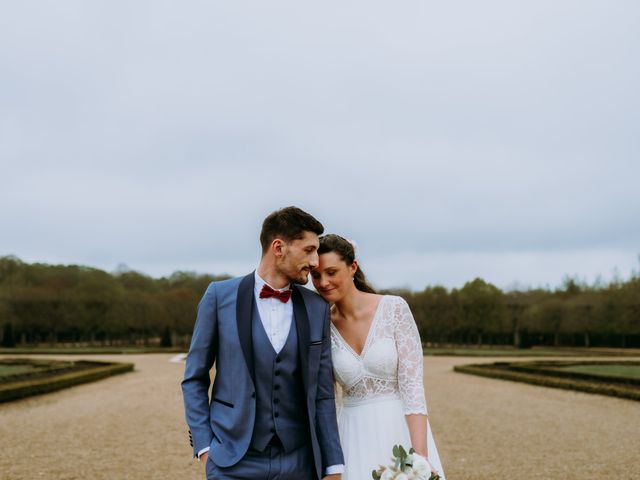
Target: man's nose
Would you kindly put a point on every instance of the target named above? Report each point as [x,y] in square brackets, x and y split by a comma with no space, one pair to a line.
[313,262]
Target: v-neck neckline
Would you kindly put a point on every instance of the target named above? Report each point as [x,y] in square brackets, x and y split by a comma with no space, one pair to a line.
[367,339]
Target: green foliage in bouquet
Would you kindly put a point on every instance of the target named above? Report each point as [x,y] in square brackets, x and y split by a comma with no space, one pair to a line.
[401,460]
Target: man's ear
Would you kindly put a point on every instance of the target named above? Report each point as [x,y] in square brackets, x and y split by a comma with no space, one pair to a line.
[277,247]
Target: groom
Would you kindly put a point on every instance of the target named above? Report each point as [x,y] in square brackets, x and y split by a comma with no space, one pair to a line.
[272,410]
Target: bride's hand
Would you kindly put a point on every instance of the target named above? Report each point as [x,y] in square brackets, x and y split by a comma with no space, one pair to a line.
[431,467]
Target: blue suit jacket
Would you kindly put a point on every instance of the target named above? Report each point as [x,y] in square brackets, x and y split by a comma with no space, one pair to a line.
[222,335]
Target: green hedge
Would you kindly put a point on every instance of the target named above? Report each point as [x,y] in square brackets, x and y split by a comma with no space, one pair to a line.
[540,373]
[14,390]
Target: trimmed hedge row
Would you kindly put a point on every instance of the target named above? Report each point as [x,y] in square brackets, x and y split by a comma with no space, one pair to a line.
[519,372]
[14,390]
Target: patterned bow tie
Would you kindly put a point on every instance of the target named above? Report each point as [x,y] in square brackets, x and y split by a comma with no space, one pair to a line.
[268,292]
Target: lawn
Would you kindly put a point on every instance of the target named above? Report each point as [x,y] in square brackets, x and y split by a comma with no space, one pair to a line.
[10,370]
[23,377]
[623,371]
[44,350]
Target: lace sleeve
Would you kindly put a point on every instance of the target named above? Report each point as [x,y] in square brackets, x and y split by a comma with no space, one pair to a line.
[410,360]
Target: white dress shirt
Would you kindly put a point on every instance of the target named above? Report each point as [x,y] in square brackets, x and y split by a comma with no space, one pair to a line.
[276,316]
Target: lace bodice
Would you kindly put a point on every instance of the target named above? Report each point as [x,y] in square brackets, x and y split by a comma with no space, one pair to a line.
[390,362]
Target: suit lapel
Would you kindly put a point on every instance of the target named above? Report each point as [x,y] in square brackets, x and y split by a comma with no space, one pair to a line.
[302,328]
[244,307]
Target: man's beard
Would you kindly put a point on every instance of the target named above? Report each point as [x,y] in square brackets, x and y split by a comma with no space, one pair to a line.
[294,273]
[301,277]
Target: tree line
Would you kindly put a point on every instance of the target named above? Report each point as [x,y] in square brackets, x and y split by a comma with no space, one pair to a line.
[70,304]
[77,305]
[576,314]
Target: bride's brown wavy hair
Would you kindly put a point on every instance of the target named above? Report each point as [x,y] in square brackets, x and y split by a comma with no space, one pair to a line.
[344,249]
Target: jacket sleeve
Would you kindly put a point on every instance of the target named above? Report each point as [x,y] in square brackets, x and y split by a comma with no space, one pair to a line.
[200,359]
[326,423]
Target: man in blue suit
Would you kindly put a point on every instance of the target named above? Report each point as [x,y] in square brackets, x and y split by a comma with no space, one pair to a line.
[272,409]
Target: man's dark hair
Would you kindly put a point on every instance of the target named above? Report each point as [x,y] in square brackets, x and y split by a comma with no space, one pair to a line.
[289,224]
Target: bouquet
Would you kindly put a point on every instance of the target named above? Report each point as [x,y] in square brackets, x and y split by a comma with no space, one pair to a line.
[406,466]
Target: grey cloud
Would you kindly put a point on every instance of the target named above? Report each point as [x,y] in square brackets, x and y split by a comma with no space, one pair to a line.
[161,134]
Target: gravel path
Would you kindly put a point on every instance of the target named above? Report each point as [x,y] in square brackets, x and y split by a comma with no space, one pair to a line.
[131,427]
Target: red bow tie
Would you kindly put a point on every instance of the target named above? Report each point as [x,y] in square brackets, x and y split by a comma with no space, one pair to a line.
[268,292]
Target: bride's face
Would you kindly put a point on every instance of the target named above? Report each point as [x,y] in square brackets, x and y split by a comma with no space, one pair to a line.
[333,278]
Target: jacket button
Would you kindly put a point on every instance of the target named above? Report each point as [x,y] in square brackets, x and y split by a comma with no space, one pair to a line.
[276,373]
[276,400]
[273,430]
[276,414]
[253,394]
[276,387]
[278,360]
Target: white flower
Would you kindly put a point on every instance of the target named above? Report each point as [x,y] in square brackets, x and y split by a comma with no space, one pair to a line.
[421,466]
[401,476]
[387,475]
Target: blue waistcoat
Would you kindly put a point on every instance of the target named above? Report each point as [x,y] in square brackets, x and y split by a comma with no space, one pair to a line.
[280,400]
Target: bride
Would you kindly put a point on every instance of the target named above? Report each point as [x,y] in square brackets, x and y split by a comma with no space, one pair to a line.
[377,361]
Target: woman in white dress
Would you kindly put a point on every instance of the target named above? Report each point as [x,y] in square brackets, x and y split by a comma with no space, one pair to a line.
[377,361]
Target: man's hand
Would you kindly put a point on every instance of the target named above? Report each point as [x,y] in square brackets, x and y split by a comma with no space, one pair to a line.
[204,456]
[335,476]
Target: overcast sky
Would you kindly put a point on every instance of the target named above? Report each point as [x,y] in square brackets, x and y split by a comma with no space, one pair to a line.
[450,140]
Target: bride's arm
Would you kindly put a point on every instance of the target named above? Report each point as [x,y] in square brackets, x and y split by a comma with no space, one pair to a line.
[418,432]
[410,369]
[337,391]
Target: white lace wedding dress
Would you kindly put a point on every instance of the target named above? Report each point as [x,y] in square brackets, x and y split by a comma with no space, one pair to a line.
[379,387]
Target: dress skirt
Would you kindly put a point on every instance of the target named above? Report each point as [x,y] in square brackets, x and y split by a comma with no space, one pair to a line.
[369,429]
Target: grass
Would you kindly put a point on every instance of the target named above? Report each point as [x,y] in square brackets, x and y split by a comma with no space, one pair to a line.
[88,350]
[617,370]
[24,377]
[586,376]
[11,370]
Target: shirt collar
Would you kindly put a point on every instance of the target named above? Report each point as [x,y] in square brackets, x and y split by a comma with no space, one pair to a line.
[260,282]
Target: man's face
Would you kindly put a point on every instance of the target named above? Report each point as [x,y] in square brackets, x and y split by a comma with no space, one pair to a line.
[299,257]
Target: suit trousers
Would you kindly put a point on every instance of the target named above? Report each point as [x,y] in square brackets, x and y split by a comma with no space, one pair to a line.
[271,464]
